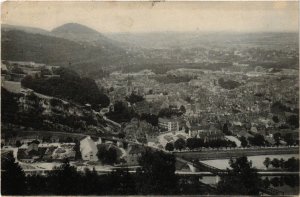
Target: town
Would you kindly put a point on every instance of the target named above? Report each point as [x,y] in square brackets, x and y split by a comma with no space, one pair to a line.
[145,111]
[202,100]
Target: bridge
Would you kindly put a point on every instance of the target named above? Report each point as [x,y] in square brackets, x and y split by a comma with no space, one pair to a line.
[197,165]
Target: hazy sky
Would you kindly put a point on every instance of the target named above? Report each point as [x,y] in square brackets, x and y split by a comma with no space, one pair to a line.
[160,16]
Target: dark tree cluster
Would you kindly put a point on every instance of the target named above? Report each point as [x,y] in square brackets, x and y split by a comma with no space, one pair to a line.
[226,130]
[292,164]
[228,84]
[150,118]
[257,140]
[9,106]
[12,176]
[69,86]
[244,142]
[291,180]
[242,179]
[133,98]
[169,112]
[121,113]
[156,176]
[195,143]
[107,155]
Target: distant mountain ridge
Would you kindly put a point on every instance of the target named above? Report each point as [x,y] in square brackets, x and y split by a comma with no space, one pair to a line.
[77,32]
[75,45]
[80,33]
[89,52]
[33,30]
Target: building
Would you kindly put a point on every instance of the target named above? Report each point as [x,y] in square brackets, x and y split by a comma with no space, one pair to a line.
[168,124]
[63,152]
[210,135]
[133,154]
[88,149]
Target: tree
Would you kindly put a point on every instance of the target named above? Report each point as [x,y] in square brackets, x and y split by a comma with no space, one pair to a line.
[275,119]
[226,130]
[168,112]
[123,182]
[157,174]
[292,164]
[281,163]
[244,142]
[257,140]
[275,163]
[277,137]
[169,146]
[121,113]
[179,144]
[267,162]
[64,180]
[193,143]
[150,118]
[107,156]
[293,120]
[18,143]
[182,109]
[9,106]
[12,176]
[69,86]
[133,98]
[289,139]
[242,179]
[77,150]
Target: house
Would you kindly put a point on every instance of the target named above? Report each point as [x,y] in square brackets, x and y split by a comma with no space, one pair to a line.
[31,152]
[168,124]
[33,146]
[63,152]
[88,149]
[194,129]
[211,135]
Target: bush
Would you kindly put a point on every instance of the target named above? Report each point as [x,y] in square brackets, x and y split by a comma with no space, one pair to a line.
[169,146]
[107,156]
[179,144]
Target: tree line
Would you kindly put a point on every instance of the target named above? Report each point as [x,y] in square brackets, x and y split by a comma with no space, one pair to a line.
[292,164]
[195,143]
[155,176]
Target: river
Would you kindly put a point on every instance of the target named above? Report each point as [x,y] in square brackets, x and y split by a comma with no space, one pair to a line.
[257,161]
[287,184]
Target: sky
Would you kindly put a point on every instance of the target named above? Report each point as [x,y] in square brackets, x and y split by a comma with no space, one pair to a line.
[267,16]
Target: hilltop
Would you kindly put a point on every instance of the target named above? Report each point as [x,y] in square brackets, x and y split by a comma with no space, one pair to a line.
[67,45]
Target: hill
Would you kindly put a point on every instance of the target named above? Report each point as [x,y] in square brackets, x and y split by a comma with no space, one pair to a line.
[43,113]
[33,30]
[79,33]
[83,57]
